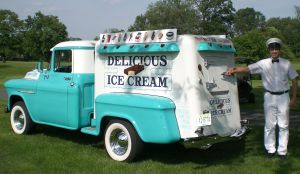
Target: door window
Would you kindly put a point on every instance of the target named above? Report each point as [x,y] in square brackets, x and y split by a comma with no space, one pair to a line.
[63,61]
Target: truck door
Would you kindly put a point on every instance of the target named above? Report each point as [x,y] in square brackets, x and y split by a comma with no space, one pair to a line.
[52,89]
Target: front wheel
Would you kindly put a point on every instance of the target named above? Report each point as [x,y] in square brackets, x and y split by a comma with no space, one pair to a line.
[20,120]
[122,143]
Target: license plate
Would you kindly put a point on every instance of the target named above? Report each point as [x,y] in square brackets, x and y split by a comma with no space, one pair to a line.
[204,119]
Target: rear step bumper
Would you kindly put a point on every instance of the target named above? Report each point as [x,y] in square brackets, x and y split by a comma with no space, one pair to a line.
[205,142]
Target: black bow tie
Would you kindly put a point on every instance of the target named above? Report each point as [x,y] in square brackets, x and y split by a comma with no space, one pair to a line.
[275,60]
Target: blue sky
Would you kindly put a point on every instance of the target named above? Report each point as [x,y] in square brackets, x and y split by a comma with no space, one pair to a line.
[88,18]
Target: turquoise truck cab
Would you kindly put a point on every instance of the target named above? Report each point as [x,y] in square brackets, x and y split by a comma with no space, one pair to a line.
[133,88]
[61,94]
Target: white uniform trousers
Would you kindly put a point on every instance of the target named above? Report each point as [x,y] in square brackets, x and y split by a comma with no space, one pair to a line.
[276,109]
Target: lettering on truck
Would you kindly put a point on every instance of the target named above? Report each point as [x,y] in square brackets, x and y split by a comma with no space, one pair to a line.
[137,60]
[121,80]
[220,106]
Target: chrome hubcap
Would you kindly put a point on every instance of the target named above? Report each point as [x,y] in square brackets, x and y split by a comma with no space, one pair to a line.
[19,120]
[119,142]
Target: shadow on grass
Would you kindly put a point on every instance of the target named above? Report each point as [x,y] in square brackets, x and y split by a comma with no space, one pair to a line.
[221,153]
[226,153]
[68,135]
[294,142]
[234,152]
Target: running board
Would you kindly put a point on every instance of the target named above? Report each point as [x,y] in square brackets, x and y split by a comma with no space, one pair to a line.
[89,130]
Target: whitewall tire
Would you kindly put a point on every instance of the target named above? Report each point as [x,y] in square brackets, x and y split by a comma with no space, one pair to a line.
[122,143]
[20,120]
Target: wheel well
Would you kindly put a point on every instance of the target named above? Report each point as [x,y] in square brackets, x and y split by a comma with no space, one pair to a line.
[106,119]
[14,99]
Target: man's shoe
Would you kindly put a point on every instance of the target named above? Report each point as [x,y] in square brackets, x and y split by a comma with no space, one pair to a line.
[270,155]
[282,157]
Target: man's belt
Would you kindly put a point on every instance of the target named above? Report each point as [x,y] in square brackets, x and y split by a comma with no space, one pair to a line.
[278,92]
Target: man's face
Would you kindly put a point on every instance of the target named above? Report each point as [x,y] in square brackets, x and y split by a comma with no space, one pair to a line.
[275,52]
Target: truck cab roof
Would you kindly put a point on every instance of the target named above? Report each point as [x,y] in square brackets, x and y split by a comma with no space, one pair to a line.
[75,44]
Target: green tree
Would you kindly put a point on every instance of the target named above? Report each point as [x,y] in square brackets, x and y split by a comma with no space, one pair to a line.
[253,44]
[168,14]
[215,16]
[113,30]
[290,30]
[297,9]
[10,34]
[41,34]
[248,19]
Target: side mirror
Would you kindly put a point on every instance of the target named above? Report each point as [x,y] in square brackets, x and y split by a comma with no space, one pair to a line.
[40,66]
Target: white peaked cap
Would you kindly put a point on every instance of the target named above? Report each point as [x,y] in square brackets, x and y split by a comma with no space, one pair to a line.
[273,40]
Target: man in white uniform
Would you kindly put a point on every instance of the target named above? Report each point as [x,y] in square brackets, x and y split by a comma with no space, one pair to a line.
[275,72]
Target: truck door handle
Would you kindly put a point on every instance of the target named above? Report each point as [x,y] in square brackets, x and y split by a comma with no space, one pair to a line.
[67,78]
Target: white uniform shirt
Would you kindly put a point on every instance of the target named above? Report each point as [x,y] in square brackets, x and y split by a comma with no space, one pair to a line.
[275,76]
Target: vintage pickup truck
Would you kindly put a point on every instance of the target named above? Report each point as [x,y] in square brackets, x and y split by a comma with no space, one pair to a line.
[133,88]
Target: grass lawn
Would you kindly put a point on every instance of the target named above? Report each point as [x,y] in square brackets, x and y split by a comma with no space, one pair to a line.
[54,150]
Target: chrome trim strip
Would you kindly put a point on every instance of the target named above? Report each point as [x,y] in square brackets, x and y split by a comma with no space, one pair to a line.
[27,91]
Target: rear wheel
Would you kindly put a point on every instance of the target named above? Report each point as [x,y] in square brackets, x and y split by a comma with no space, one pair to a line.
[20,120]
[122,143]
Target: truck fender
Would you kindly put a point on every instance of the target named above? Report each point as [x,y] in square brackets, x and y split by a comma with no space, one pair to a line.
[14,98]
[153,117]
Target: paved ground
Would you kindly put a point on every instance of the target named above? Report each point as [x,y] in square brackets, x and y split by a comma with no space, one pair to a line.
[254,117]
[257,118]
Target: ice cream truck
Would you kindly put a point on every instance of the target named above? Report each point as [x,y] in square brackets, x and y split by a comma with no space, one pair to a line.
[132,88]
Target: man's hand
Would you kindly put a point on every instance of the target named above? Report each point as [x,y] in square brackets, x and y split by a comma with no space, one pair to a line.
[230,71]
[293,102]
[294,92]
[233,70]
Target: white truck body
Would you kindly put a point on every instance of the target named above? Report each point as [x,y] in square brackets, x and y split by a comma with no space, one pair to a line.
[204,99]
